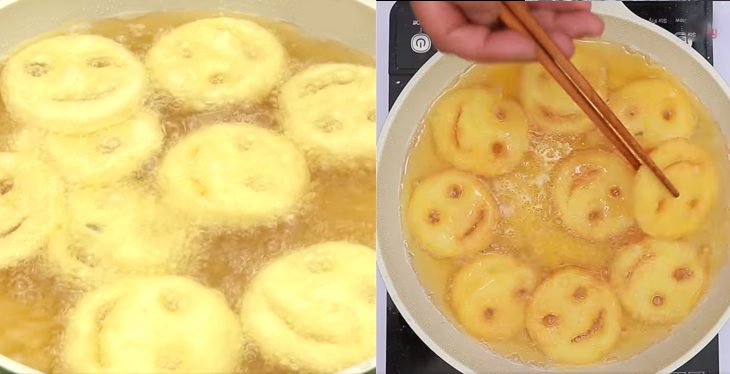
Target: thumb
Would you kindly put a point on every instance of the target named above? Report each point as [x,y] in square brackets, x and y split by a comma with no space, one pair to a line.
[564,42]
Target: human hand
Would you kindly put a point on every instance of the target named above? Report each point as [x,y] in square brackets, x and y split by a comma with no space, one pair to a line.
[466,28]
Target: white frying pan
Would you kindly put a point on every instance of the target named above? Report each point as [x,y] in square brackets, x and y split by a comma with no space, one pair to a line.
[351,22]
[440,334]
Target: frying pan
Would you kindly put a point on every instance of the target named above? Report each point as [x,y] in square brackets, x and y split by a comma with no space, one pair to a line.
[351,22]
[434,328]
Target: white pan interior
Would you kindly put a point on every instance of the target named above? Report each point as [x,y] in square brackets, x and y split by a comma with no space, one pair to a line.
[353,25]
[454,346]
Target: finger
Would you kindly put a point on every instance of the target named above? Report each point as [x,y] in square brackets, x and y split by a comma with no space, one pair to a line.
[437,15]
[449,29]
[502,46]
[479,12]
[564,42]
[561,6]
[577,24]
[438,19]
[476,43]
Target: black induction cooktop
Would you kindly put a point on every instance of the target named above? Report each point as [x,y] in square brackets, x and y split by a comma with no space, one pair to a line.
[410,48]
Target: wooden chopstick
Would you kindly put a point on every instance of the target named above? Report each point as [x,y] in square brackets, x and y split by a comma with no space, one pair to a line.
[510,21]
[516,16]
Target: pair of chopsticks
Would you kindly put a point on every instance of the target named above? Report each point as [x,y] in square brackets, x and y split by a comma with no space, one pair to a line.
[516,16]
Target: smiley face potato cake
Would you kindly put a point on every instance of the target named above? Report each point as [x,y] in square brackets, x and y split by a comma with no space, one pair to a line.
[489,296]
[259,177]
[659,281]
[313,309]
[593,194]
[655,110]
[73,84]
[98,158]
[110,233]
[476,130]
[31,204]
[217,61]
[328,110]
[549,108]
[152,325]
[452,213]
[574,317]
[693,172]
